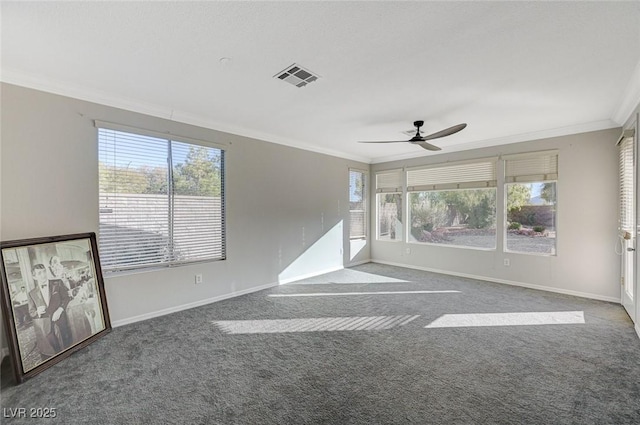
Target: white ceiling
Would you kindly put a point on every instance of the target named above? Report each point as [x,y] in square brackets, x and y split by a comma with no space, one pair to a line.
[512,71]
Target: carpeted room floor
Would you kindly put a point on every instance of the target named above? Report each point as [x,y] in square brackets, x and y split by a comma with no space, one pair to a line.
[380,352]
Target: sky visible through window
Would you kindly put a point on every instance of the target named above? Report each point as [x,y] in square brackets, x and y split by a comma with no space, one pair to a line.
[536,189]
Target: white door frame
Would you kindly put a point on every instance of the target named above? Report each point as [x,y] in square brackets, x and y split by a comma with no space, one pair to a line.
[628,233]
[633,306]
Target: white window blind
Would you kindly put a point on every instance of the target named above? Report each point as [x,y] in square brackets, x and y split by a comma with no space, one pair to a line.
[626,160]
[389,181]
[161,201]
[531,167]
[467,175]
[357,204]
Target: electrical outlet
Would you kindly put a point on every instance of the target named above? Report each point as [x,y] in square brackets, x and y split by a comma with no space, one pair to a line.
[507,262]
[198,279]
[408,250]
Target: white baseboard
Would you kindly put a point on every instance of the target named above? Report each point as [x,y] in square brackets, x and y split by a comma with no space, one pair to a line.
[182,307]
[637,328]
[506,282]
[357,263]
[308,275]
[199,303]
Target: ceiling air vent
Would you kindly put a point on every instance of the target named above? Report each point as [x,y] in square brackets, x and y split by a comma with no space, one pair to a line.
[297,75]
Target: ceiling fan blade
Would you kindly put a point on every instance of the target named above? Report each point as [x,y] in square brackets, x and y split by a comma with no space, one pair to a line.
[428,146]
[389,141]
[446,132]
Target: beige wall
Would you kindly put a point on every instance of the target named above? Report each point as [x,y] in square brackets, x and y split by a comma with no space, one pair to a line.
[281,201]
[586,263]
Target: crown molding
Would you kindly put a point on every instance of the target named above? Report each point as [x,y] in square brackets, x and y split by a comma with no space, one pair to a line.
[265,137]
[158,111]
[626,109]
[518,138]
[630,99]
[82,93]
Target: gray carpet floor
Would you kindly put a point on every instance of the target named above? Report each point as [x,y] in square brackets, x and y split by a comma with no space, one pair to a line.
[353,352]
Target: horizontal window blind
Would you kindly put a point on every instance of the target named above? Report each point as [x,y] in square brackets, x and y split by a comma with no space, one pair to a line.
[455,176]
[161,201]
[531,168]
[626,160]
[198,202]
[389,181]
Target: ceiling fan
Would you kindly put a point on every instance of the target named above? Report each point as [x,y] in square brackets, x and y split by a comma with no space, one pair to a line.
[422,140]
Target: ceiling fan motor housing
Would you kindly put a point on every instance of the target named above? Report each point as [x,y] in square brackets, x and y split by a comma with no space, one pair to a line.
[417,137]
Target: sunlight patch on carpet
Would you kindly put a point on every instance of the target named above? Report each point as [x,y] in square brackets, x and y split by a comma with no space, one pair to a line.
[324,324]
[508,319]
[348,277]
[334,294]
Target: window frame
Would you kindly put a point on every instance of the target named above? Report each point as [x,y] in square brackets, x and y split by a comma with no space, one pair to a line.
[170,137]
[539,177]
[477,248]
[484,177]
[389,182]
[365,204]
[401,233]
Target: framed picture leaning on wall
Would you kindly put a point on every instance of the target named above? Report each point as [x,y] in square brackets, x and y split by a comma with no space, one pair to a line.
[53,299]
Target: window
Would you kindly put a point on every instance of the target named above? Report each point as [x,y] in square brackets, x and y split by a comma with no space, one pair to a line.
[530,184]
[626,219]
[389,205]
[625,164]
[453,204]
[161,201]
[357,204]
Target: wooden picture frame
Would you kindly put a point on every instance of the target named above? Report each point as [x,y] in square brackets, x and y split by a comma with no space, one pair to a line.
[53,299]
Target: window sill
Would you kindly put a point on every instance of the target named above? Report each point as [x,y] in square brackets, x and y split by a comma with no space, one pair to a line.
[156,268]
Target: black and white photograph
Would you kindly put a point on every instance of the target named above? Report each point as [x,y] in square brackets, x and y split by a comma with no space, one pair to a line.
[55,297]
